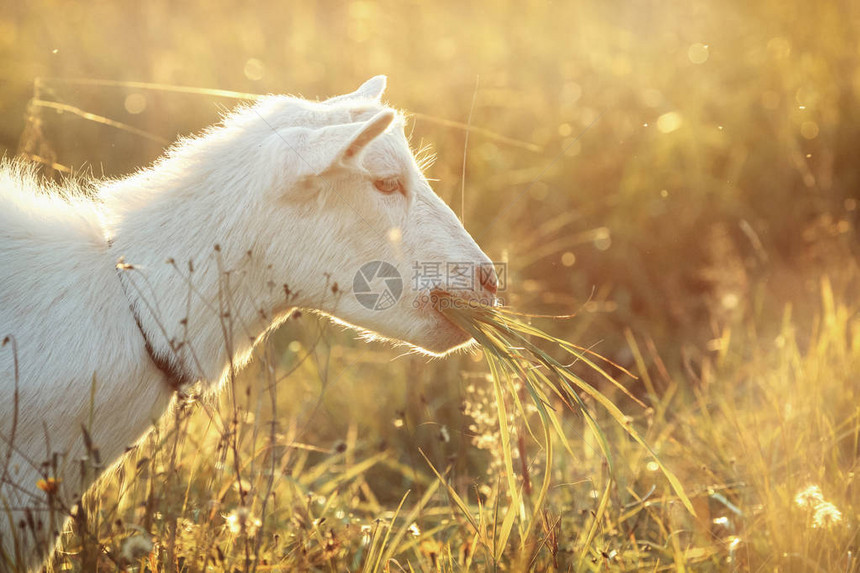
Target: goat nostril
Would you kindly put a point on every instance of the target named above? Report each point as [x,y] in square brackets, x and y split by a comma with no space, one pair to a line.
[487,278]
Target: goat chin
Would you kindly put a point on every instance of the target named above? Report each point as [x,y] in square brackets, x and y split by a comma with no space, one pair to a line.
[431,334]
[444,337]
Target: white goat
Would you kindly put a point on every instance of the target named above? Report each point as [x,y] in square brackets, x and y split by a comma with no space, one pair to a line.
[274,209]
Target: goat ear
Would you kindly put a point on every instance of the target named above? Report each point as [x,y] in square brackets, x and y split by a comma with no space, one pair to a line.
[345,142]
[369,130]
[371,89]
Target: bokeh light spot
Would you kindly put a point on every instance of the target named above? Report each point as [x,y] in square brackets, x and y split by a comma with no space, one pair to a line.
[539,190]
[568,259]
[135,103]
[698,53]
[571,92]
[669,122]
[395,235]
[361,14]
[806,96]
[602,239]
[730,301]
[779,48]
[254,69]
[809,129]
[587,115]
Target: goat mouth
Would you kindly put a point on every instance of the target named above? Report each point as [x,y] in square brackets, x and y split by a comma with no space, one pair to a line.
[448,322]
[438,300]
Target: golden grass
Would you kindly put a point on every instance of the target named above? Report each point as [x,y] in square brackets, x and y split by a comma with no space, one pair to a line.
[763,446]
[512,355]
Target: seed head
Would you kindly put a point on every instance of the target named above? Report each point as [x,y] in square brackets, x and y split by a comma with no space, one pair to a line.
[809,497]
[826,515]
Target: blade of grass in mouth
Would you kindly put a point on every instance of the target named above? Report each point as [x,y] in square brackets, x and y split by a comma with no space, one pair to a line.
[508,347]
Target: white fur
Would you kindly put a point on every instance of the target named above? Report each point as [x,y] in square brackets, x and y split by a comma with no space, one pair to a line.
[281,193]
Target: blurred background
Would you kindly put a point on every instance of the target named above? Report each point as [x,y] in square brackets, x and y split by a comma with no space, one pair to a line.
[669,170]
[667,163]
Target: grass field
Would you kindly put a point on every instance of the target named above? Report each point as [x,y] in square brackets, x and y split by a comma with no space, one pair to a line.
[681,176]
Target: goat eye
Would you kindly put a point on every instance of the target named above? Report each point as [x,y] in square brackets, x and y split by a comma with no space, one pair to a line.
[389,185]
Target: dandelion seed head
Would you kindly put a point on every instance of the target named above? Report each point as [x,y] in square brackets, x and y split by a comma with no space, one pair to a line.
[135,547]
[826,515]
[240,521]
[809,497]
[232,521]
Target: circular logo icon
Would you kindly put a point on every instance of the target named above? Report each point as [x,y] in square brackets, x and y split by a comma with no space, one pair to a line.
[377,285]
